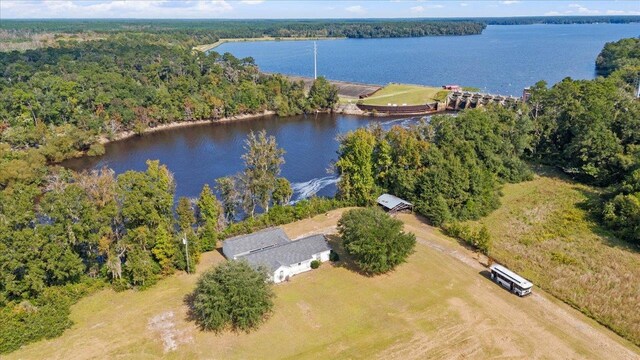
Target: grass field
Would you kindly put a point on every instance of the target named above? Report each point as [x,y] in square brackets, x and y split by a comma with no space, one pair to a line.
[543,230]
[437,305]
[406,94]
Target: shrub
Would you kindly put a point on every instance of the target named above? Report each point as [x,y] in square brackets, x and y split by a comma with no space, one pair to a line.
[96,149]
[315,264]
[233,294]
[333,256]
[42,318]
[480,239]
[375,239]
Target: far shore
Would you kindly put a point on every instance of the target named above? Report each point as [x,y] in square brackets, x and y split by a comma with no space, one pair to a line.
[178,124]
[208,47]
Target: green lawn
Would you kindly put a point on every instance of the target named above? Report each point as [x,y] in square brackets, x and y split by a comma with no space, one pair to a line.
[433,306]
[400,94]
[544,231]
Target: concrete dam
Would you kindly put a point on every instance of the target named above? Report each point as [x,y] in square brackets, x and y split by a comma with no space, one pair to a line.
[460,100]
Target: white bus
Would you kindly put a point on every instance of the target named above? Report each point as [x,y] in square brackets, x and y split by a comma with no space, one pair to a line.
[510,280]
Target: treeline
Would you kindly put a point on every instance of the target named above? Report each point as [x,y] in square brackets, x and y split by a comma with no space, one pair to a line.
[530,20]
[256,28]
[56,102]
[624,53]
[450,168]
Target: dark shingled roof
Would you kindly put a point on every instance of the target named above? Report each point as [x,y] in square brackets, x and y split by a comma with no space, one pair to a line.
[287,254]
[243,244]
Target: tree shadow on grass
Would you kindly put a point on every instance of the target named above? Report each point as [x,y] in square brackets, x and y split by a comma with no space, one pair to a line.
[345,261]
[188,300]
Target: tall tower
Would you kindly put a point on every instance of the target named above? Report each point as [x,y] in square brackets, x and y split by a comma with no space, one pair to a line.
[315,60]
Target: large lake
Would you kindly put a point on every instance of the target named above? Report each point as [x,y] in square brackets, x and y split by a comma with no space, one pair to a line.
[503,59]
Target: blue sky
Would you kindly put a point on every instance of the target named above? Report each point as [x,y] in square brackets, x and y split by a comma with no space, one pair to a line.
[274,9]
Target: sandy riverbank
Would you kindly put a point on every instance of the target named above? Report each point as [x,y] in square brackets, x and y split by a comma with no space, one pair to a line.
[128,134]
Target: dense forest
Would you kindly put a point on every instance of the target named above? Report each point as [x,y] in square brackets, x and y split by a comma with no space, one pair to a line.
[451,168]
[618,55]
[196,32]
[303,27]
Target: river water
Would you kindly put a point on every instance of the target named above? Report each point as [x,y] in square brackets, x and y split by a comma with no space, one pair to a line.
[503,59]
[199,154]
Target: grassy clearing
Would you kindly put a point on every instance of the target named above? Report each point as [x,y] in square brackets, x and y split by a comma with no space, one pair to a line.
[434,306]
[543,230]
[406,94]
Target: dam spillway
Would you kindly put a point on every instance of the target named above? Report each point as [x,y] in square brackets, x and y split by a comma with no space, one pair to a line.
[461,100]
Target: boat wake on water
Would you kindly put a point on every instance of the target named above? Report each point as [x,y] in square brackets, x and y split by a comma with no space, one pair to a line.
[305,190]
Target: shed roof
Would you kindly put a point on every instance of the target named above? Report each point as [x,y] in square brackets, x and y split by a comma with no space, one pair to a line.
[243,244]
[389,201]
[288,254]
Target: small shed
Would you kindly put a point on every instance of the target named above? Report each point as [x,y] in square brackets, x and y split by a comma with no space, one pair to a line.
[393,204]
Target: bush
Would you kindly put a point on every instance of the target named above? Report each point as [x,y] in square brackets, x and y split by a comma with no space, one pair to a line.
[42,318]
[333,256]
[315,264]
[233,294]
[375,239]
[480,239]
[96,149]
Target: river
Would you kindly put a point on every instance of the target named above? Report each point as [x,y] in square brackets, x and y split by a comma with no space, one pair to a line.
[202,153]
[503,59]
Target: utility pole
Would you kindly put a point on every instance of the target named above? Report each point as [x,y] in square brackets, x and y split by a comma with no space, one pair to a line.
[186,250]
[315,60]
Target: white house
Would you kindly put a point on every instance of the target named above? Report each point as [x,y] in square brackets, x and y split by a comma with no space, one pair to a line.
[242,245]
[283,259]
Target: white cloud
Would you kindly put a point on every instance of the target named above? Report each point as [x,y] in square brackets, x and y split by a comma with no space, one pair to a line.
[252,2]
[113,9]
[510,2]
[621,12]
[420,8]
[464,4]
[552,13]
[355,9]
[581,10]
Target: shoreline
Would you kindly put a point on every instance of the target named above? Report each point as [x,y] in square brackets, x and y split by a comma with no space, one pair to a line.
[178,124]
[208,47]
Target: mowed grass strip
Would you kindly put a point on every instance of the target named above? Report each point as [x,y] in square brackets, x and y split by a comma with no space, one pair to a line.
[544,231]
[400,94]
